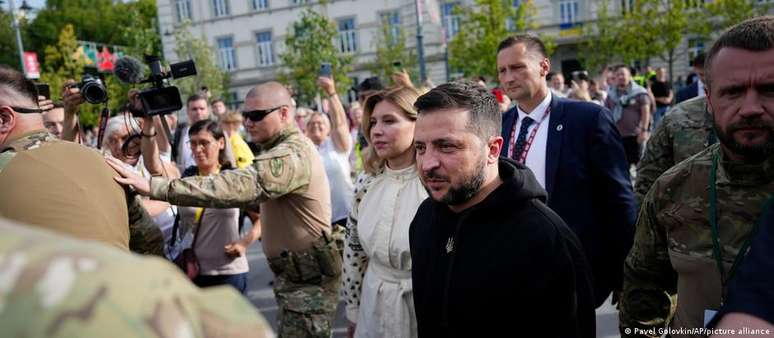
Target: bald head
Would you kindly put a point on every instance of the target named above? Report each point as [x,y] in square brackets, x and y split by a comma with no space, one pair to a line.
[270,94]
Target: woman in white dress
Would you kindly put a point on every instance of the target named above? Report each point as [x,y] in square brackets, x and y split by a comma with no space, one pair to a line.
[377,261]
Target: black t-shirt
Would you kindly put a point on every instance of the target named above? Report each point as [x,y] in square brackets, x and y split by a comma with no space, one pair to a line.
[660,89]
[751,290]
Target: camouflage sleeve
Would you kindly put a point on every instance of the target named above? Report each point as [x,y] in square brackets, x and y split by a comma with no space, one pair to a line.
[657,159]
[145,237]
[648,275]
[272,175]
[76,288]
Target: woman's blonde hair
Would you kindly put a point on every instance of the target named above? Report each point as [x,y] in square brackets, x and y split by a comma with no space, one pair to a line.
[404,98]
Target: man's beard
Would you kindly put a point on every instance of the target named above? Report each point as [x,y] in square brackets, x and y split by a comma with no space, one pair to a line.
[752,153]
[470,186]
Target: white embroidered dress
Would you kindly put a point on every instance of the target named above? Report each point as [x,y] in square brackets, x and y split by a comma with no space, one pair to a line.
[377,261]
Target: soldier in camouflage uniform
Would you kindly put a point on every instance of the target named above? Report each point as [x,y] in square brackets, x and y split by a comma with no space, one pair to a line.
[59,286]
[23,131]
[684,131]
[696,221]
[288,182]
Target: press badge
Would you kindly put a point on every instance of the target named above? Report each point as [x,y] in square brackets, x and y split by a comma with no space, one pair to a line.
[708,315]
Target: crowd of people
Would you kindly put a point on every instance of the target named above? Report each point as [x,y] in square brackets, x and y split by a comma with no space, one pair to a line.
[426,210]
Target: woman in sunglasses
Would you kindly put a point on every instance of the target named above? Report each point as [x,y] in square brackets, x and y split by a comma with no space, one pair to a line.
[377,261]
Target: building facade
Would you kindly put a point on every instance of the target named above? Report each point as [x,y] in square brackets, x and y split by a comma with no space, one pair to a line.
[248,35]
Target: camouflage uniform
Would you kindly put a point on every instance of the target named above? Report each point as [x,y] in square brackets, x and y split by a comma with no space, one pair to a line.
[685,130]
[59,286]
[145,237]
[306,281]
[673,249]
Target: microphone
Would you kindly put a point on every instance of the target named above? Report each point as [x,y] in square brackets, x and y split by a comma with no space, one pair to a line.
[129,70]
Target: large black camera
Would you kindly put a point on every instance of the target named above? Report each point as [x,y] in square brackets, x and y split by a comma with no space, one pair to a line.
[161,98]
[92,89]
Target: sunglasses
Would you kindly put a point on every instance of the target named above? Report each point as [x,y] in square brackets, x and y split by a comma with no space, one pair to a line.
[258,115]
[27,110]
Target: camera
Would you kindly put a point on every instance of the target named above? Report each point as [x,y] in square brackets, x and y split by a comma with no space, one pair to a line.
[92,89]
[161,99]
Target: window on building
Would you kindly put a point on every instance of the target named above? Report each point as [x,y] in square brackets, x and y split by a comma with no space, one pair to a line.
[627,6]
[451,21]
[347,35]
[220,8]
[510,25]
[568,13]
[265,50]
[259,4]
[183,8]
[695,47]
[226,53]
[392,21]
[298,2]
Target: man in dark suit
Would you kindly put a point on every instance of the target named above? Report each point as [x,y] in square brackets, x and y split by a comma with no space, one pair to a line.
[575,152]
[697,87]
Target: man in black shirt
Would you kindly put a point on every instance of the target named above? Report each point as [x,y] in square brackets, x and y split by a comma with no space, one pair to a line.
[485,241]
[662,91]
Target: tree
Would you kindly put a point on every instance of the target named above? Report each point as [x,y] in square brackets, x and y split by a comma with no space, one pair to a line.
[391,47]
[208,72]
[308,45]
[602,45]
[9,54]
[482,28]
[132,24]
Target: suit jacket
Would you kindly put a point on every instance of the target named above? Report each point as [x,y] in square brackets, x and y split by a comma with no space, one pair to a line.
[588,185]
[687,93]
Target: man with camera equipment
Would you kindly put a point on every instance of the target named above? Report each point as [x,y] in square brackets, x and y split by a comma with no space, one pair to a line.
[62,185]
[288,181]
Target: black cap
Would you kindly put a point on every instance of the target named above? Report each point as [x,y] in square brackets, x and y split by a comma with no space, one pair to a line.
[371,83]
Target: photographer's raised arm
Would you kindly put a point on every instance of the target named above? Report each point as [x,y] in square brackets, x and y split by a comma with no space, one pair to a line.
[72,99]
[150,150]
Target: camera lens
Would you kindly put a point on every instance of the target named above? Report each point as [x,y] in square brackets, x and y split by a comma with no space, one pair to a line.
[93,91]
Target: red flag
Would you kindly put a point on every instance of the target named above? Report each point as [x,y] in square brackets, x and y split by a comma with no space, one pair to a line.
[31,65]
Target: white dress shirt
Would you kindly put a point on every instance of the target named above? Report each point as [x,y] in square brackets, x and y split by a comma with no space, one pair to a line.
[700,87]
[536,157]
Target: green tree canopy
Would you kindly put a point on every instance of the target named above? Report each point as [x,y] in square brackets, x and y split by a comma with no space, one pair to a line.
[391,47]
[482,28]
[209,74]
[308,45]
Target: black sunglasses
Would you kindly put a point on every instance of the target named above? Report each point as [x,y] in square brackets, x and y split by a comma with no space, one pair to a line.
[27,110]
[258,115]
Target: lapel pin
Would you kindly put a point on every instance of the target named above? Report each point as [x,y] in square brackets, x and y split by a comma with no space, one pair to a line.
[559,127]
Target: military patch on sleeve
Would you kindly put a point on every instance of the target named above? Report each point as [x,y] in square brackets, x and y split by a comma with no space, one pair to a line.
[276,165]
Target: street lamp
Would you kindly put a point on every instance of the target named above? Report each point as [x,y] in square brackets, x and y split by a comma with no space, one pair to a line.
[15,22]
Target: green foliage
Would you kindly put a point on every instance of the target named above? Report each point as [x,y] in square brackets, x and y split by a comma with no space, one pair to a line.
[482,28]
[389,49]
[131,24]
[208,72]
[9,54]
[601,47]
[308,45]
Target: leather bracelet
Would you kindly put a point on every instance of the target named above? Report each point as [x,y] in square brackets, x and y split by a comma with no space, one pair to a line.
[149,136]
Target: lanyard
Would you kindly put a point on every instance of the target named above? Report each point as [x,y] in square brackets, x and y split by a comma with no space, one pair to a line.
[512,144]
[713,218]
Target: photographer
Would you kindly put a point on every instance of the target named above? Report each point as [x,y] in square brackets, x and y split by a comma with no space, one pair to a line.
[61,185]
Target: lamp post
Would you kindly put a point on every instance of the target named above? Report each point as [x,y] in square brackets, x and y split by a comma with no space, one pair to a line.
[15,22]
[420,45]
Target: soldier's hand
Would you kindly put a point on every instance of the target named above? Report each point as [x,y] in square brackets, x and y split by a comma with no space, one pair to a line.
[327,84]
[129,179]
[71,97]
[236,248]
